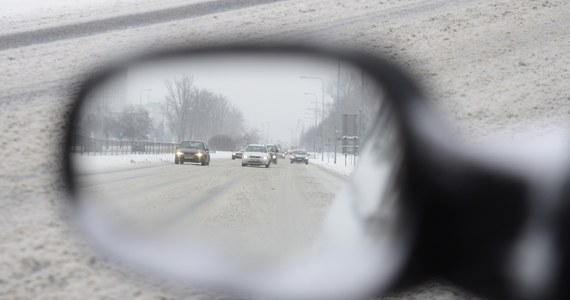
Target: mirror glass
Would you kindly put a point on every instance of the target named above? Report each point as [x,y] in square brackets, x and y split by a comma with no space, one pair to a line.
[243,152]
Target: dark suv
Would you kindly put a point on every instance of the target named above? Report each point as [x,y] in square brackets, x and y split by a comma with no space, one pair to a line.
[192,151]
[237,153]
[272,149]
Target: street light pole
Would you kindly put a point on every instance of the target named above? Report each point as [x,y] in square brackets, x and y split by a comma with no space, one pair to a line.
[322,111]
[314,143]
[314,134]
[335,135]
[336,118]
[140,112]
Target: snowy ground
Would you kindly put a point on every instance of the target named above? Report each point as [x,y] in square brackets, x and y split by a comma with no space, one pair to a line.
[339,167]
[276,208]
[105,163]
[25,15]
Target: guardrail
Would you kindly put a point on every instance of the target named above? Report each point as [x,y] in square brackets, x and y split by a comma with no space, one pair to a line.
[83,145]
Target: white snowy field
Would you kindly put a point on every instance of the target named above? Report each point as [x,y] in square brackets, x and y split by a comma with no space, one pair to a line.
[106,163]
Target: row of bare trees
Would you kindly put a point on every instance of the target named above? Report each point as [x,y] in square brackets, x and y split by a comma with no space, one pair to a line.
[98,121]
[187,112]
[197,113]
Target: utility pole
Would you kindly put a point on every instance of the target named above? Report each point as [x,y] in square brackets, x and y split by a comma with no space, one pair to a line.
[322,112]
[323,121]
[360,125]
[315,131]
[338,101]
[140,112]
[335,134]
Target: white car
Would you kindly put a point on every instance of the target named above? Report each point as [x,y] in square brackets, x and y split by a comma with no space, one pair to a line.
[256,155]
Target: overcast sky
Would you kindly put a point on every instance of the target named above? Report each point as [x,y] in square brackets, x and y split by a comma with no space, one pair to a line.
[268,90]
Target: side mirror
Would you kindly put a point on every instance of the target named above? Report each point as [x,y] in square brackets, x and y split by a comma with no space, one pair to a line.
[230,232]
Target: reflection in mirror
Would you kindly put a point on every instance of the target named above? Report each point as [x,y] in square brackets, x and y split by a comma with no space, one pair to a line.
[241,153]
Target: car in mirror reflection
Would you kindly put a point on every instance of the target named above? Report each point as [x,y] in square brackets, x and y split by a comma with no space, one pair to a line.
[237,153]
[218,100]
[192,151]
[272,153]
[256,155]
[299,156]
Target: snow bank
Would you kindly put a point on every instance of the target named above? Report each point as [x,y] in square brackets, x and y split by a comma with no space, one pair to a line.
[339,167]
[106,163]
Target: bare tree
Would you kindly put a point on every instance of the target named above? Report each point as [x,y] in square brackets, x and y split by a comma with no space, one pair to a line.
[177,106]
[194,113]
[134,123]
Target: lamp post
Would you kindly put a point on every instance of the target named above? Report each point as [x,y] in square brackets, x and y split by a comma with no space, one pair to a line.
[300,131]
[140,112]
[311,119]
[314,135]
[322,111]
[335,142]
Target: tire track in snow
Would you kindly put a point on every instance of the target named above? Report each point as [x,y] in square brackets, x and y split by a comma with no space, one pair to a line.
[21,39]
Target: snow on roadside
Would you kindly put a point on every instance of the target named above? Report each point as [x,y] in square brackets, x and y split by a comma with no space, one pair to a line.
[339,167]
[27,15]
[106,163]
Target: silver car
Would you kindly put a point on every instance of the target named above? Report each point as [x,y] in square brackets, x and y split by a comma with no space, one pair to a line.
[300,155]
[256,155]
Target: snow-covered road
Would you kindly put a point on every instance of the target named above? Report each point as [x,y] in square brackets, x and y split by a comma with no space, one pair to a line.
[273,205]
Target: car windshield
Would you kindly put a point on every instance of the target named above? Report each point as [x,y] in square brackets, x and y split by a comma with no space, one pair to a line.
[271,149]
[198,145]
[301,152]
[256,149]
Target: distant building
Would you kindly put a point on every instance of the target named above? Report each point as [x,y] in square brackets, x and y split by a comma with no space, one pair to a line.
[116,93]
[109,99]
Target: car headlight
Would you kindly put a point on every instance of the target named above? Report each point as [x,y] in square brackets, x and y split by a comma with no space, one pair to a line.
[265,157]
[273,156]
[179,153]
[199,154]
[244,156]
